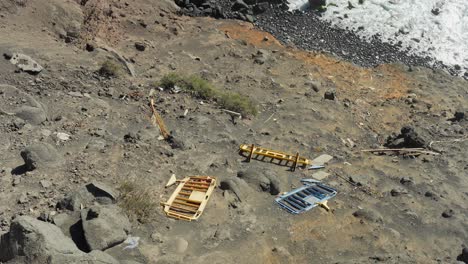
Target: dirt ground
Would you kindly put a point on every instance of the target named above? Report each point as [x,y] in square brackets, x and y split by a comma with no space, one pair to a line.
[416,208]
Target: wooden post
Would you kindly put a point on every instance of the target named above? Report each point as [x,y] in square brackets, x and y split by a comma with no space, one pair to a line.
[251,152]
[295,162]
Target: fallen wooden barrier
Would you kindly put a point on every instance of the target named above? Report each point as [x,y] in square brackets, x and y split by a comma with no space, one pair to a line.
[190,198]
[274,155]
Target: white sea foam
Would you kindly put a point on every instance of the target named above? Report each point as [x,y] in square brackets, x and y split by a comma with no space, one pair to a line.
[298,4]
[443,37]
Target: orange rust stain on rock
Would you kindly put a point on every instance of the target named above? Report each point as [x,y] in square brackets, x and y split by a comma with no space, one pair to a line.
[385,81]
[247,32]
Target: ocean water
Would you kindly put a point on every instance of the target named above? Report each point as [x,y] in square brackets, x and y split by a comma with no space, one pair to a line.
[434,28]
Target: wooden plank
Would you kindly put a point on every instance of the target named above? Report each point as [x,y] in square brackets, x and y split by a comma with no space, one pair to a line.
[193,189]
[197,187]
[182,208]
[187,204]
[188,200]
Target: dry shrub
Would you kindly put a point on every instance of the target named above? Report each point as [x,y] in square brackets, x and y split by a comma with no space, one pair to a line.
[201,88]
[110,68]
[138,200]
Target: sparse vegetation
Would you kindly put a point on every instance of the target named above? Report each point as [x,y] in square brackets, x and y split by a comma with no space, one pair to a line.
[201,88]
[238,103]
[138,200]
[110,68]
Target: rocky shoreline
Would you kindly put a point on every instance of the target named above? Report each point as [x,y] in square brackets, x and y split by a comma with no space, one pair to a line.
[306,30]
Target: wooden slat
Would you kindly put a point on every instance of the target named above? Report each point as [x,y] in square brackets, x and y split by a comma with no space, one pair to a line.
[187,204]
[193,189]
[199,182]
[182,208]
[196,185]
[178,215]
[188,200]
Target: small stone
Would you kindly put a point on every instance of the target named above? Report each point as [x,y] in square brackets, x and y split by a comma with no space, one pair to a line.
[181,245]
[23,199]
[223,234]
[89,47]
[429,194]
[314,85]
[369,215]
[45,183]
[330,95]
[63,136]
[448,213]
[406,181]
[281,251]
[44,217]
[16,180]
[75,94]
[398,192]
[464,255]
[459,115]
[140,46]
[157,238]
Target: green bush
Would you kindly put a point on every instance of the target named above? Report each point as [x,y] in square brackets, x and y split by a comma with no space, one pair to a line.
[238,103]
[194,85]
[110,68]
[201,88]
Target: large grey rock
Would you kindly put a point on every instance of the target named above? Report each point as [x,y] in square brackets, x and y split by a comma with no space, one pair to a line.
[17,103]
[126,254]
[237,186]
[409,137]
[40,155]
[26,63]
[36,242]
[75,200]
[103,193]
[104,226]
[88,195]
[267,181]
[33,115]
[65,19]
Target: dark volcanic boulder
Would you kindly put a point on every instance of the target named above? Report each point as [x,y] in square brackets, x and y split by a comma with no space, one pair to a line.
[408,138]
